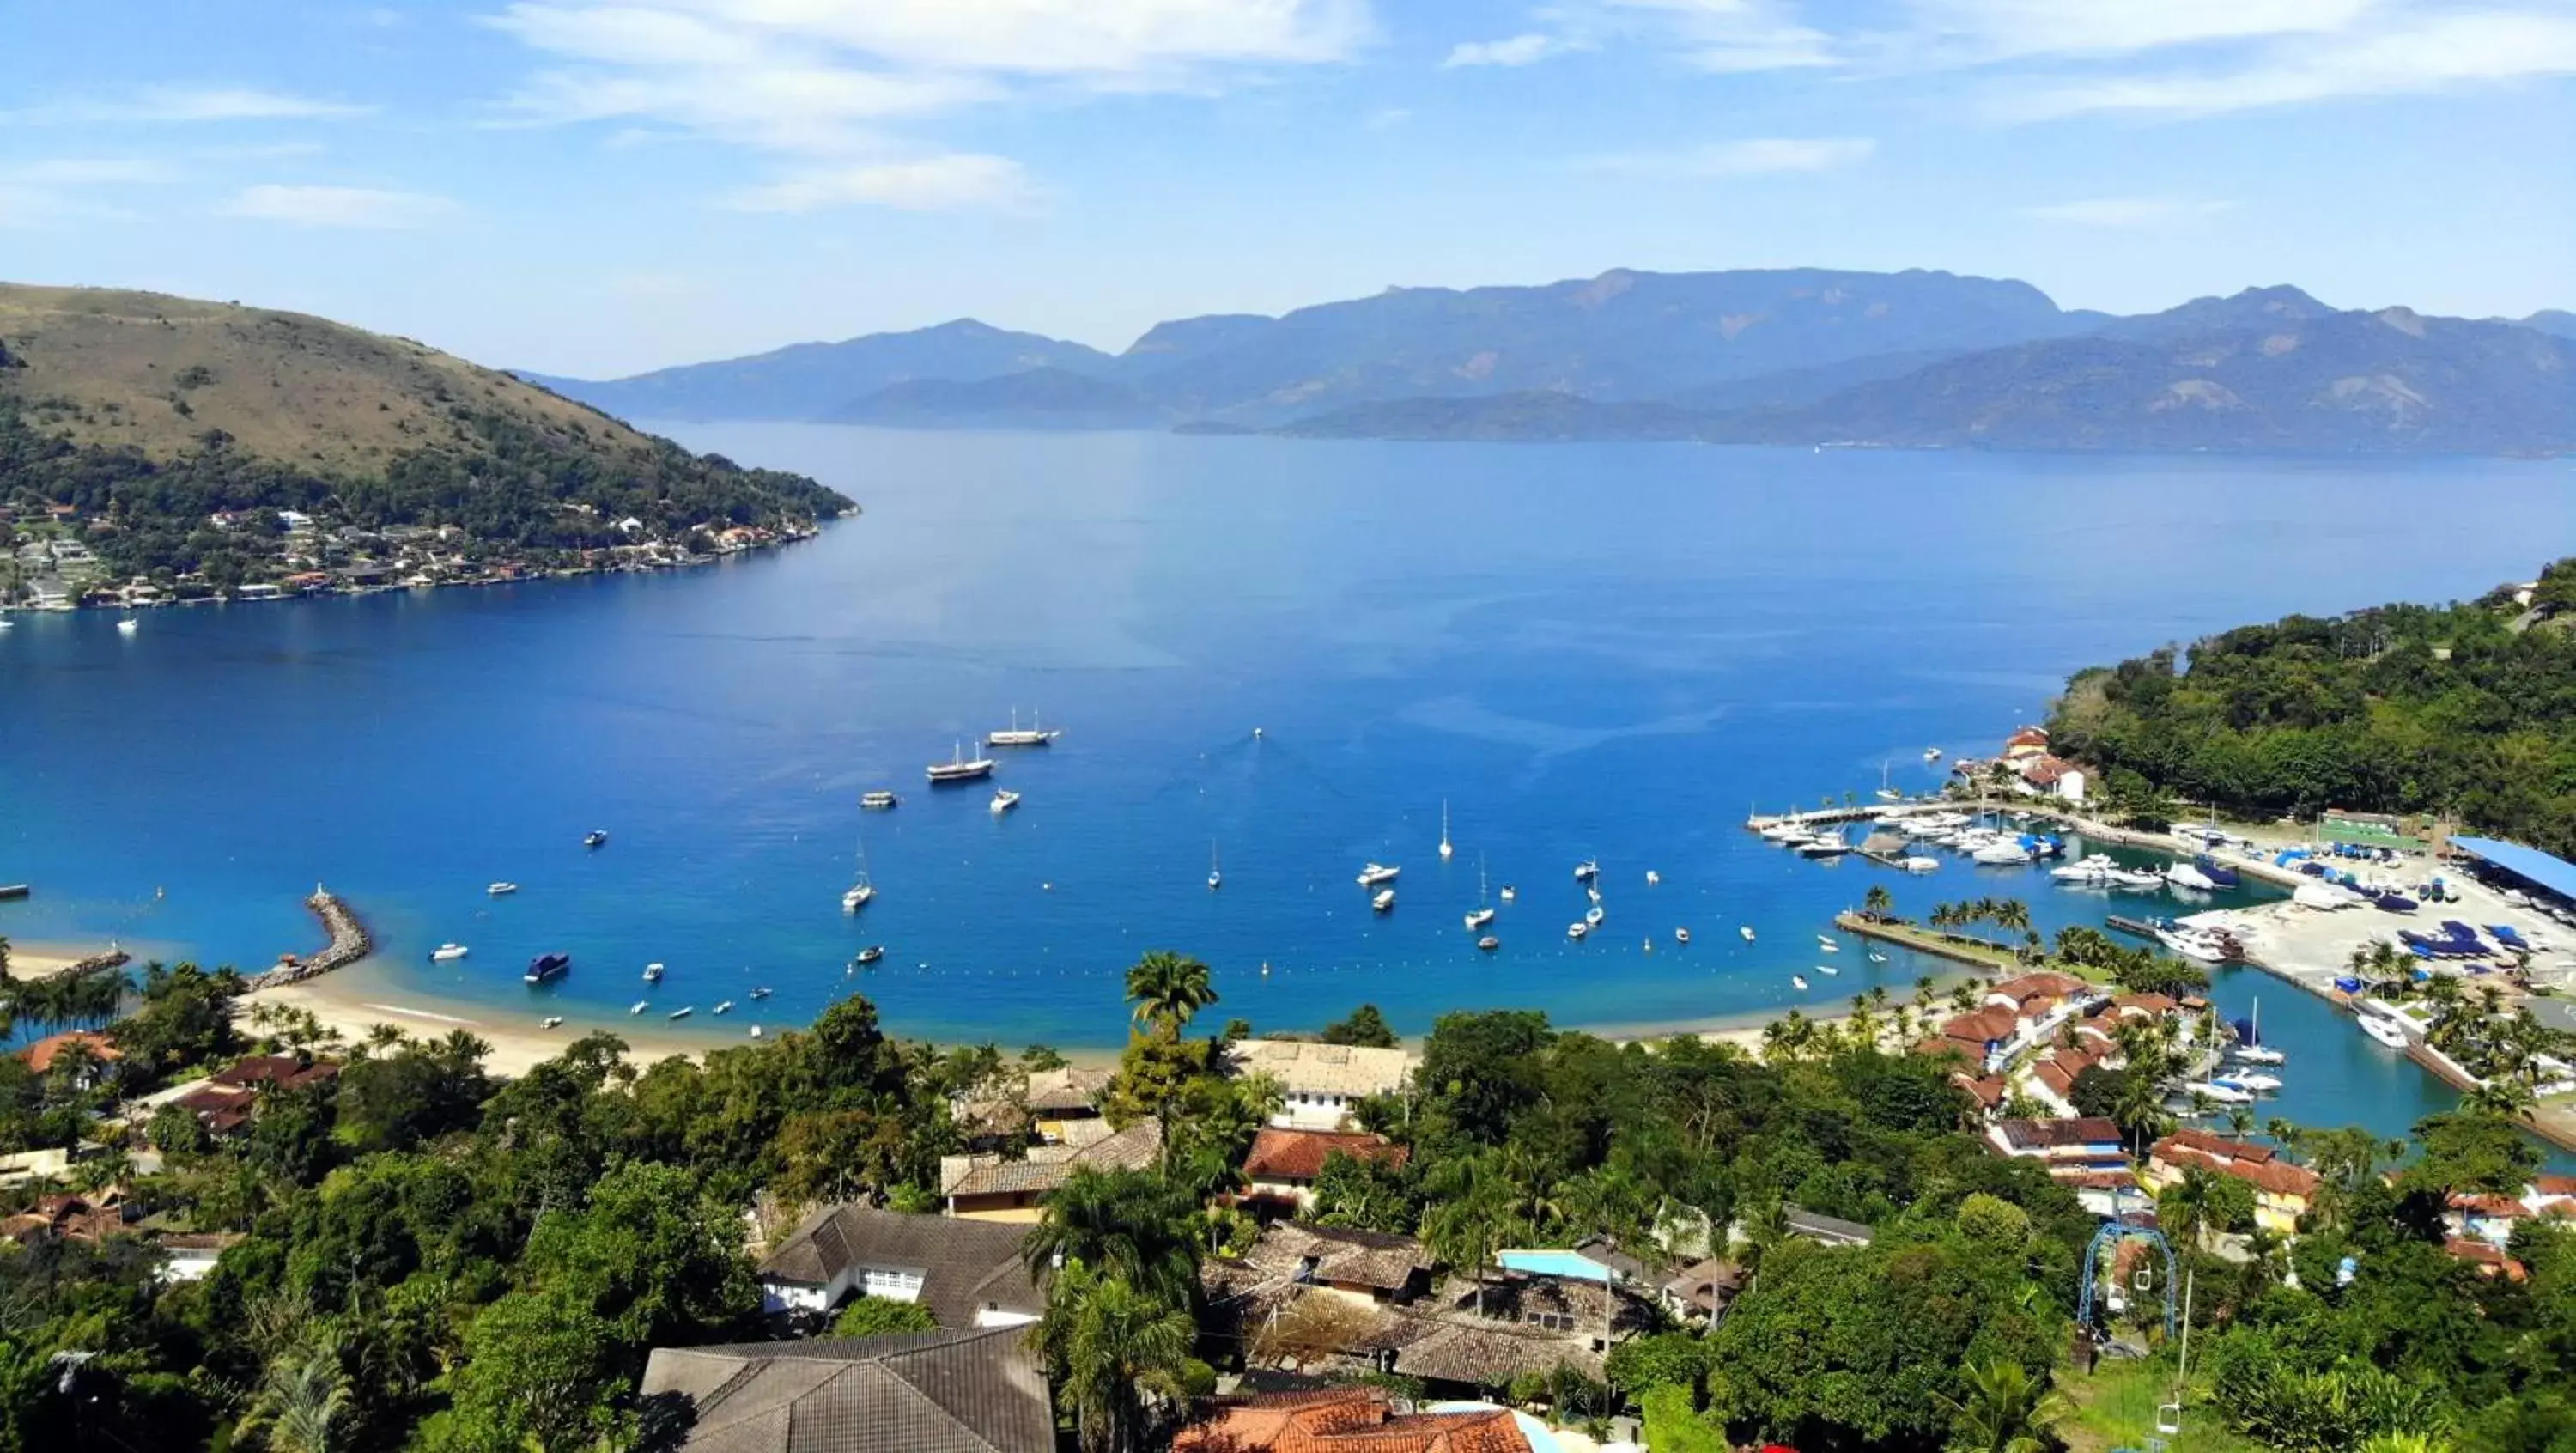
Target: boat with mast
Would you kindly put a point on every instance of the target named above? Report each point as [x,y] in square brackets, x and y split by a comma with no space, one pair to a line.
[958,769]
[863,888]
[1033,735]
[1445,848]
[1885,792]
[1216,878]
[1484,913]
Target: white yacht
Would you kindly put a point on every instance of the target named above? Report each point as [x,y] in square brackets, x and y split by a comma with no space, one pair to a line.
[129,626]
[1216,877]
[637,1007]
[1653,877]
[1484,913]
[723,1006]
[2194,945]
[1032,735]
[1510,893]
[1919,864]
[1747,931]
[653,973]
[2184,875]
[2219,1094]
[1577,929]
[1798,982]
[1375,873]
[863,888]
[1824,845]
[1681,935]
[1479,919]
[1593,915]
[1931,754]
[2136,880]
[2002,853]
[1004,800]
[2381,1024]
[2258,1054]
[2251,1081]
[447,951]
[500,890]
[1384,900]
[879,800]
[1782,832]
[1587,870]
[958,769]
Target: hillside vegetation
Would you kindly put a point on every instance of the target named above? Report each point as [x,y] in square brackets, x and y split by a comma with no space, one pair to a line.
[148,414]
[2466,709]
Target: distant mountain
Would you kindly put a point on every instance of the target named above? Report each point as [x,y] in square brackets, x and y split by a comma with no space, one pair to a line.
[2268,369]
[1532,415]
[1622,336]
[2557,322]
[1041,398]
[815,380]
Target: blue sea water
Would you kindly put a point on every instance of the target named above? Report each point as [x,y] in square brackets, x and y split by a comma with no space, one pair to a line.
[1607,651]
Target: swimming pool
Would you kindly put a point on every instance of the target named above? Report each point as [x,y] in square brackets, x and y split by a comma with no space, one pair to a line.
[1573,1265]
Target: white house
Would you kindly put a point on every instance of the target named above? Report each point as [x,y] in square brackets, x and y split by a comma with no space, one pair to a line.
[1323,1082]
[968,1273]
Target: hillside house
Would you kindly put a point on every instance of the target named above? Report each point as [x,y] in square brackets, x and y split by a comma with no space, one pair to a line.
[964,1273]
[1283,1164]
[2281,1190]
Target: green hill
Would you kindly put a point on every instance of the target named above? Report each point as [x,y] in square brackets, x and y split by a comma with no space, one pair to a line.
[148,415]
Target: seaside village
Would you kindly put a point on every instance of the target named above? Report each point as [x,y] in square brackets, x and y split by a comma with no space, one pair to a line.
[1327,1338]
[50,558]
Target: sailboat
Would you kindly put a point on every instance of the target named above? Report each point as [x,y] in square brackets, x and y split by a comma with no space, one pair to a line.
[1484,913]
[958,769]
[1216,879]
[1032,736]
[862,890]
[1885,792]
[1445,849]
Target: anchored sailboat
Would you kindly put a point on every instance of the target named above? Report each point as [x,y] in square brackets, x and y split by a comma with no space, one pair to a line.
[1484,913]
[1216,879]
[1445,849]
[861,890]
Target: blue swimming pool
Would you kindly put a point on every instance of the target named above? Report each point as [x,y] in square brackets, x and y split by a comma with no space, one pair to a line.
[1553,1263]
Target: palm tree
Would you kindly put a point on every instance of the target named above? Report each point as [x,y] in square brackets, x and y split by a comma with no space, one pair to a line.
[301,1402]
[1120,1353]
[2190,1204]
[1168,988]
[1923,988]
[1127,1223]
[1471,1213]
[2508,1096]
[2240,1122]
[2006,1410]
[1877,902]
[4,958]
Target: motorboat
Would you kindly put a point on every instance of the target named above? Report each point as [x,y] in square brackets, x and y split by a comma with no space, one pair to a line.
[1489,943]
[680,1013]
[2219,1094]
[2252,1082]
[1827,945]
[755,1031]
[1587,870]
[1593,915]
[1824,845]
[551,1021]
[637,1007]
[447,951]
[1510,893]
[1004,800]
[597,837]
[870,954]
[1653,877]
[858,896]
[761,992]
[2002,853]
[1919,864]
[501,890]
[2383,1029]
[958,769]
[548,966]
[1445,848]
[879,801]
[1876,957]
[2258,1054]
[1931,754]
[1785,832]
[722,1007]
[653,973]
[1015,735]
[2191,944]
[1577,929]
[1376,873]
[1384,900]
[2184,875]
[128,626]
[2136,880]
[1747,931]
[1827,969]
[1479,919]
[1798,982]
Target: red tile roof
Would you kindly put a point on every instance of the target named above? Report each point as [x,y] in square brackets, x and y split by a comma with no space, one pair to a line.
[2052,1134]
[2263,1174]
[1981,1028]
[1990,1091]
[2485,1257]
[2043,985]
[1345,1420]
[2554,1185]
[1299,1155]
[41,1055]
[2221,1146]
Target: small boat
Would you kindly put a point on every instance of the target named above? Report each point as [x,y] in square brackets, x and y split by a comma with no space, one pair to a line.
[1592,893]
[1479,919]
[1593,915]
[2249,1081]
[760,993]
[1876,957]
[1653,877]
[447,951]
[2198,947]
[2184,875]
[2218,1094]
[637,1007]
[1919,864]
[547,966]
[597,837]
[129,625]
[1004,800]
[1828,945]
[755,1031]
[1489,943]
[1484,913]
[1510,893]
[870,954]
[2258,1054]
[863,888]
[1016,736]
[879,801]
[1885,792]
[1587,870]
[2383,1028]
[1798,982]
[653,973]
[1825,845]
[681,1013]
[1384,900]
[1375,873]
[1827,969]
[1681,935]
[1931,754]
[498,890]
[958,769]
[551,1021]
[1747,931]
[724,1006]
[1445,848]
[1577,929]
[1216,879]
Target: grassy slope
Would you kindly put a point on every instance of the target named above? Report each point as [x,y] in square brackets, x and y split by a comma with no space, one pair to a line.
[295,389]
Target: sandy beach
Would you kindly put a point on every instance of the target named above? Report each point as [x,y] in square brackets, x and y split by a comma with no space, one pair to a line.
[354,1009]
[44,959]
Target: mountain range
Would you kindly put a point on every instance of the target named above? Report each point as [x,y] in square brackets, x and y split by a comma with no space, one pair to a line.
[1913,359]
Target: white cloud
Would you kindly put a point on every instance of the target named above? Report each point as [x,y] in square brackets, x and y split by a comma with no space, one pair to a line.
[1990,30]
[172,104]
[2126,212]
[961,181]
[1756,156]
[1520,50]
[352,207]
[1729,36]
[2452,51]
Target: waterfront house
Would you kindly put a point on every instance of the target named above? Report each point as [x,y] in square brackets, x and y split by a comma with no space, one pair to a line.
[2551,1196]
[2038,1000]
[2489,1259]
[2053,777]
[225,1102]
[2050,1079]
[1322,1083]
[964,1273]
[1983,1036]
[2487,1218]
[989,1188]
[99,1049]
[1704,1290]
[1059,1097]
[2025,744]
[2084,1154]
[973,1391]
[1345,1419]
[2281,1190]
[1989,1091]
[1283,1164]
[29,1165]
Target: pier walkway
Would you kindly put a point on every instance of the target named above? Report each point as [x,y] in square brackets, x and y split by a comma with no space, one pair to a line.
[349,943]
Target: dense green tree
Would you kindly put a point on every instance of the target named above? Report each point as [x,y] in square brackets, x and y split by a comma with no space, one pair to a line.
[1120,1355]
[541,1374]
[1365,1026]
[879,1316]
[1168,989]
[651,1256]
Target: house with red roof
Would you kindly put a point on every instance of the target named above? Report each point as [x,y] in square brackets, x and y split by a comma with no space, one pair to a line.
[40,1056]
[2281,1190]
[1344,1420]
[1282,1165]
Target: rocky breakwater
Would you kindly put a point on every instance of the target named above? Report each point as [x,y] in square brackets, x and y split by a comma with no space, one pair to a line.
[349,943]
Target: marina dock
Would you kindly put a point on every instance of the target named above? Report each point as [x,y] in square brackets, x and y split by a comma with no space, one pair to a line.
[1986,957]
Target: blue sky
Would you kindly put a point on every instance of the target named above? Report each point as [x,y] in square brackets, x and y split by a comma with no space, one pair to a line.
[601,186]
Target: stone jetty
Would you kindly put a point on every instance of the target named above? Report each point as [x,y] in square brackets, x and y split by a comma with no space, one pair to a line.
[349,943]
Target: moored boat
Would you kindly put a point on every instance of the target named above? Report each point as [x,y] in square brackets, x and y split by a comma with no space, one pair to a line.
[879,801]
[1004,800]
[870,954]
[1384,900]
[548,966]
[1374,874]
[1681,935]
[681,1013]
[1489,943]
[1587,870]
[498,890]
[958,769]
[653,973]
[1479,919]
[1798,982]
[447,951]
[1747,931]
[1033,735]
[597,837]
[1577,929]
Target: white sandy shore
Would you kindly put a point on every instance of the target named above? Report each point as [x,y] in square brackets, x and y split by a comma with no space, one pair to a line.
[517,1046]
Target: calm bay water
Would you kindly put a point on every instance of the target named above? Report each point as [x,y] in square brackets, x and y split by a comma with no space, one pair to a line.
[1605,651]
